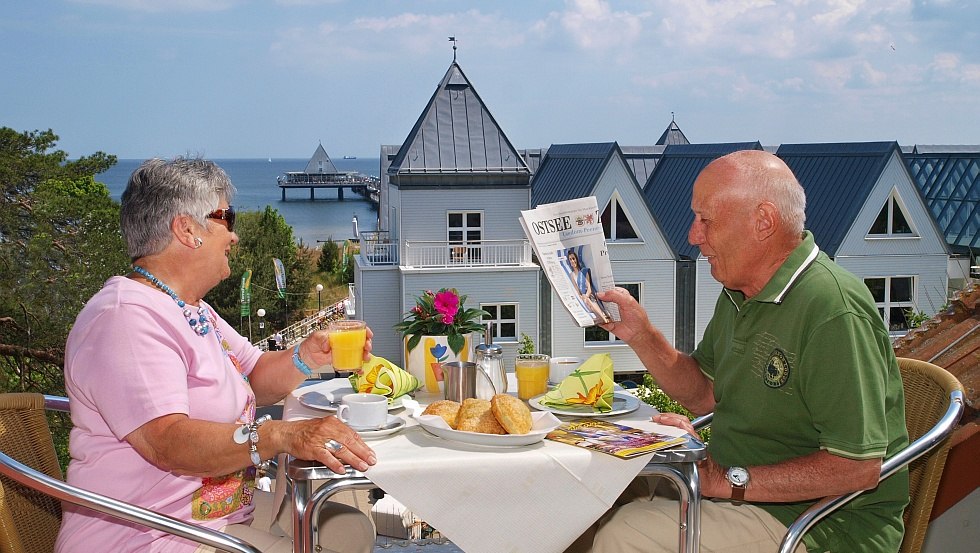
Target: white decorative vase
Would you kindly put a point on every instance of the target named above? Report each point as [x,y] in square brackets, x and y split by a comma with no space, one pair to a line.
[425,360]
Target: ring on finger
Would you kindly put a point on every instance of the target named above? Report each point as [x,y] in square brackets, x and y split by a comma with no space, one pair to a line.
[333,446]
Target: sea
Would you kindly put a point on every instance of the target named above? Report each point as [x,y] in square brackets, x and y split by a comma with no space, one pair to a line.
[313,221]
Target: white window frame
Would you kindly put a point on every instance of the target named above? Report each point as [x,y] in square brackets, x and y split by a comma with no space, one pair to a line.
[894,202]
[885,307]
[615,204]
[612,339]
[498,320]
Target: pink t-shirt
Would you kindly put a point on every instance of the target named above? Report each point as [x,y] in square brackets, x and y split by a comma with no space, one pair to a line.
[130,358]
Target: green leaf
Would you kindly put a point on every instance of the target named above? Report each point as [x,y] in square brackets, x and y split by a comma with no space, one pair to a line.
[456,342]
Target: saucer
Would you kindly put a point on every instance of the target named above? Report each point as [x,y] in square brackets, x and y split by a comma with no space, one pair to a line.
[393,424]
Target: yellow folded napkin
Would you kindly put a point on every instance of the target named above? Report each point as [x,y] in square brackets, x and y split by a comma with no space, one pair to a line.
[382,377]
[590,385]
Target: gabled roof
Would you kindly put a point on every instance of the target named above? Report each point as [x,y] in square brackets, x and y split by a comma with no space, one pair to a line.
[570,171]
[320,162]
[668,190]
[456,134]
[837,178]
[949,179]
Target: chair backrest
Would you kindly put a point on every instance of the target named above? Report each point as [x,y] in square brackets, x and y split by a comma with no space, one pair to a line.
[29,519]
[927,396]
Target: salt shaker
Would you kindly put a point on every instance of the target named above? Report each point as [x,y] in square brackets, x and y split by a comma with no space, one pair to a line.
[489,358]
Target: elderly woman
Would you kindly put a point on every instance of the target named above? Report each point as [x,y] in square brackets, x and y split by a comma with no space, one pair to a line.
[164,392]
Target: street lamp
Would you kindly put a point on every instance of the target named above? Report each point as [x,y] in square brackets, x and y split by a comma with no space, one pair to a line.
[261,313]
[319,288]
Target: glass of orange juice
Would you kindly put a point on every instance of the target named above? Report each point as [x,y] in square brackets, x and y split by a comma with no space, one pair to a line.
[531,370]
[347,339]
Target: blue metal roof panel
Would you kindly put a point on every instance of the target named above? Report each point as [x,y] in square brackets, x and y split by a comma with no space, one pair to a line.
[837,179]
[668,190]
[569,171]
[456,133]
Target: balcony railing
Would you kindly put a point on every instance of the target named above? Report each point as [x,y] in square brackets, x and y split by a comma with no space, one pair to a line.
[377,249]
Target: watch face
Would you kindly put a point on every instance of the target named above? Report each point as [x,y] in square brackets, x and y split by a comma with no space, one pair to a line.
[738,476]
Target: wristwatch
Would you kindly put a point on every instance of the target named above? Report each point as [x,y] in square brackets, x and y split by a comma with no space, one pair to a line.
[739,479]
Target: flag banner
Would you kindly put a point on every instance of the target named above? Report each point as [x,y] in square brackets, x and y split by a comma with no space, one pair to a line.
[280,277]
[246,293]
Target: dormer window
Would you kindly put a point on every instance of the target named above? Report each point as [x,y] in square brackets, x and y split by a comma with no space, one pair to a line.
[616,222]
[892,220]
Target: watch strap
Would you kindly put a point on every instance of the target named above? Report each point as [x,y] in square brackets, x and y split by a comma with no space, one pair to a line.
[738,493]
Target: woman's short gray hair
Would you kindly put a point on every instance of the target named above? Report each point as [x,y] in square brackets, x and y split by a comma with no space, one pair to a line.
[159,190]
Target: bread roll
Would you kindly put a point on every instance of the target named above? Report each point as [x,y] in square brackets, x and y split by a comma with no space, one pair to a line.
[444,408]
[475,415]
[511,413]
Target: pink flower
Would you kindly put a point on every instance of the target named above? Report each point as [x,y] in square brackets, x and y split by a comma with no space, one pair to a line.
[447,304]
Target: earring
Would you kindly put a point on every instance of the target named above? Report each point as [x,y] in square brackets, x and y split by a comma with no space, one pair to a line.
[198,242]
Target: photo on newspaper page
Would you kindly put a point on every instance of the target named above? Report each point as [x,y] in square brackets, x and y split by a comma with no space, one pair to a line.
[568,240]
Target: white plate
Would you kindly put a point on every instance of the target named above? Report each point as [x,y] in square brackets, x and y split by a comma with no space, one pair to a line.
[394,424]
[323,402]
[543,423]
[622,403]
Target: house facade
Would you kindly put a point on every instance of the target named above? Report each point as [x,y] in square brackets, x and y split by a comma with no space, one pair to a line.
[641,259]
[868,216]
[452,191]
[451,194]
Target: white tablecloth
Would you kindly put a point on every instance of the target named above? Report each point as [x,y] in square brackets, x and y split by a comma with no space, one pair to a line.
[496,500]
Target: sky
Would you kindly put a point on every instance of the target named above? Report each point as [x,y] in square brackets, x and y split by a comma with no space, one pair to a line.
[273,78]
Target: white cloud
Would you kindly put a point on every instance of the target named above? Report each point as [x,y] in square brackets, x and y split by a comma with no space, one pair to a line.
[592,25]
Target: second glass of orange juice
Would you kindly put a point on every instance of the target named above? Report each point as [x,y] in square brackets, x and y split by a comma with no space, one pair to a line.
[532,375]
[347,344]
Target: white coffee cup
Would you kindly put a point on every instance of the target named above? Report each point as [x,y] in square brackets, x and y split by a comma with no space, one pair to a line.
[560,367]
[363,411]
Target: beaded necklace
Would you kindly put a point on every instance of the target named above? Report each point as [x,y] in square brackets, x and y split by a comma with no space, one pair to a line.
[200,324]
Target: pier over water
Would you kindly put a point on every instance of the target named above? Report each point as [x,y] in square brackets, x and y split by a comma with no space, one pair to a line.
[322,173]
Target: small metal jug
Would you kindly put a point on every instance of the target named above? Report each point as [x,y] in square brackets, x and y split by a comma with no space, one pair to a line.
[461,380]
[489,357]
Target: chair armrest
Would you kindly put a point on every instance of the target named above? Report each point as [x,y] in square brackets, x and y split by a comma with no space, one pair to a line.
[703,421]
[926,443]
[119,509]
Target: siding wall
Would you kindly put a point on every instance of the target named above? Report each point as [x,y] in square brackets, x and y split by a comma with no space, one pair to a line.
[423,212]
[708,290]
[378,293]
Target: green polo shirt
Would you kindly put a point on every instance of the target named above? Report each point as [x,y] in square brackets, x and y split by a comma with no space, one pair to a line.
[806,365]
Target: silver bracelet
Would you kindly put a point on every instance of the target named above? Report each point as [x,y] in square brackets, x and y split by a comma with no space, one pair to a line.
[249,432]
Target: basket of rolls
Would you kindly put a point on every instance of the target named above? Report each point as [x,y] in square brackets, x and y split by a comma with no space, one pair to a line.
[503,420]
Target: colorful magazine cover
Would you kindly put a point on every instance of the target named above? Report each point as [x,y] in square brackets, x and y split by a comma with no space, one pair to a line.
[612,438]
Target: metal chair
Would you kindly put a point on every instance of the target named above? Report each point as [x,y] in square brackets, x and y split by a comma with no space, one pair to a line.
[32,489]
[933,406]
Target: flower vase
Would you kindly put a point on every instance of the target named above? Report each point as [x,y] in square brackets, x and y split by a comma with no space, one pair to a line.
[425,360]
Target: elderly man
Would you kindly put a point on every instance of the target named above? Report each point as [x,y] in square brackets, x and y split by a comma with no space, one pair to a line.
[797,366]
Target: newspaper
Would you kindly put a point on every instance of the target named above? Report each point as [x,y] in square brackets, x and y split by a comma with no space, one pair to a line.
[567,237]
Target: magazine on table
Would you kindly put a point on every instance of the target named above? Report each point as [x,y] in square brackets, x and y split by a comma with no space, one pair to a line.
[612,438]
[568,240]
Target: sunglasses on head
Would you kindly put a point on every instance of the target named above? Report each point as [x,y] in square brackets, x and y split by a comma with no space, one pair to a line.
[227,215]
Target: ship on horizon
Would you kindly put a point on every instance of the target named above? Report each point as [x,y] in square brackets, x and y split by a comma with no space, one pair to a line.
[350,157]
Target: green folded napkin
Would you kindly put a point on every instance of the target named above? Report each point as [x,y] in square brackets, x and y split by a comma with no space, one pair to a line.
[382,377]
[590,385]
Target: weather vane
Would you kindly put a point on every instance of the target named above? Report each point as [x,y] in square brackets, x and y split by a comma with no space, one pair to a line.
[453,40]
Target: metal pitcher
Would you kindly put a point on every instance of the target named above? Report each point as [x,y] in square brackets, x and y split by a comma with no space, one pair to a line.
[460,380]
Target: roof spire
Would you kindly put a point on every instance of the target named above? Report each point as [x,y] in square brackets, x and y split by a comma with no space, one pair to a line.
[453,40]
[671,117]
